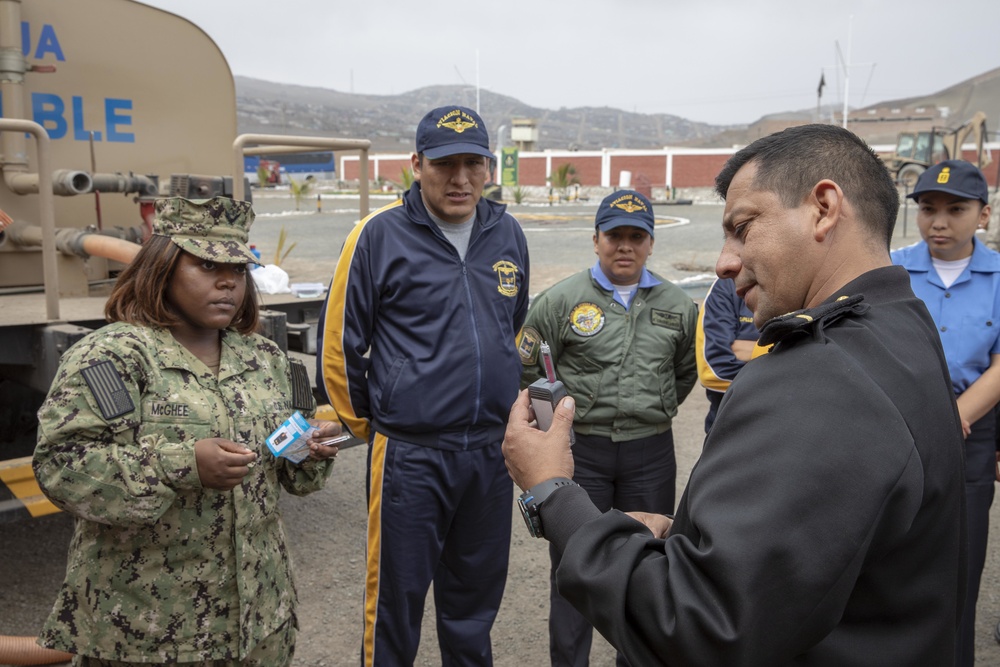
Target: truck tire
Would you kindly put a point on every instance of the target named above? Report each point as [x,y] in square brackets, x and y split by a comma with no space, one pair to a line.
[908,176]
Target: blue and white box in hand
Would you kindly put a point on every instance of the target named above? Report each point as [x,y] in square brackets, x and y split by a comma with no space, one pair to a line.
[291,439]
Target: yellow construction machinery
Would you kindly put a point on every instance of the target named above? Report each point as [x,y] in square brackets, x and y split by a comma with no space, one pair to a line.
[915,151]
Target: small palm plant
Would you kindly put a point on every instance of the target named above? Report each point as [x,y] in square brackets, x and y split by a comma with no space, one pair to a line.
[262,175]
[279,257]
[407,177]
[299,190]
[563,177]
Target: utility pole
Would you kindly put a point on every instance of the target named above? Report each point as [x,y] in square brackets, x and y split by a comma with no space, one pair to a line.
[845,66]
[477,80]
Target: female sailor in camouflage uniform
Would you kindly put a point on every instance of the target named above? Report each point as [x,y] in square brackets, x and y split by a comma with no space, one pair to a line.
[153,434]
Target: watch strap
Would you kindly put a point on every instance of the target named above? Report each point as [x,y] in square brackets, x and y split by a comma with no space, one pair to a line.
[540,492]
[530,501]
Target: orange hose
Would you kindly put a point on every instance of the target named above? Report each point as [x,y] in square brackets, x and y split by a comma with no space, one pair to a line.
[24,651]
[110,247]
[99,245]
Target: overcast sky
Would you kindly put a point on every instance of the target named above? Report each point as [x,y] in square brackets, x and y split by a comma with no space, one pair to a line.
[715,61]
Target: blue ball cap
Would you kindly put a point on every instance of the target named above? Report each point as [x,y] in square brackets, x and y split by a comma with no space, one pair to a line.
[452,130]
[625,207]
[955,177]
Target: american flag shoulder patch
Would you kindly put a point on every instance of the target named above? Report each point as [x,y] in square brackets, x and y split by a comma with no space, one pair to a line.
[108,389]
[301,391]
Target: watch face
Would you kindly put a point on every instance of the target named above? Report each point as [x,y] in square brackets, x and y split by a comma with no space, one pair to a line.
[530,515]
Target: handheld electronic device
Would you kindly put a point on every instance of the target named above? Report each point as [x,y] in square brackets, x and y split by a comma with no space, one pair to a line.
[545,396]
[545,393]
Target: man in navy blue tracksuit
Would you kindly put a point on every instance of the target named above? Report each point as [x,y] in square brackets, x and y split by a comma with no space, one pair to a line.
[724,342]
[418,357]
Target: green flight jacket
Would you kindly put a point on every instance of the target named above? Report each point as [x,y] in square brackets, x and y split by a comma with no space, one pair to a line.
[627,370]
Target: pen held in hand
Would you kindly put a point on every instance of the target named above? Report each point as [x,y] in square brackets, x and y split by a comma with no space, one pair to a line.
[326,442]
[550,369]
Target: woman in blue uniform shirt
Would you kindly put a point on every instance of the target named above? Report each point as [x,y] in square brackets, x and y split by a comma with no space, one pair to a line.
[958,278]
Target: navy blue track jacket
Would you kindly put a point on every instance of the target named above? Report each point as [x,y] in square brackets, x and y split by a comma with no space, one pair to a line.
[439,333]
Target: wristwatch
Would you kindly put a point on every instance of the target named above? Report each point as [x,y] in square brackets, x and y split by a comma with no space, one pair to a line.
[529,502]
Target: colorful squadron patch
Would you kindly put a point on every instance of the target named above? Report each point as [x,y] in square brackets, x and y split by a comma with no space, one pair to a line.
[457,120]
[529,342]
[586,319]
[507,275]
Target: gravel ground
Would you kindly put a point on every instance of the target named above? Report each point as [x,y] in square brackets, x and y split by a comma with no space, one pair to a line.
[326,534]
[326,531]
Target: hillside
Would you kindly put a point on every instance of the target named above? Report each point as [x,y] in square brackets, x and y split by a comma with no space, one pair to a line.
[881,122]
[962,100]
[390,121]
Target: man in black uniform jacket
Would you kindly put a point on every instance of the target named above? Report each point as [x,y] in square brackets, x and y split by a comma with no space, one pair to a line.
[823,524]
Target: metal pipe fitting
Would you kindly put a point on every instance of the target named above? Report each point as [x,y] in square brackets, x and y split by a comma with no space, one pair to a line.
[142,185]
[65,182]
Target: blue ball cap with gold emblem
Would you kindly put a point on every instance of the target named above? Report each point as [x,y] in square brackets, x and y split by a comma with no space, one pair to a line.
[625,207]
[954,177]
[452,130]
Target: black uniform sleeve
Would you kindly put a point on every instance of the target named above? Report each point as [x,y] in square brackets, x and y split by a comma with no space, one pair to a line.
[770,537]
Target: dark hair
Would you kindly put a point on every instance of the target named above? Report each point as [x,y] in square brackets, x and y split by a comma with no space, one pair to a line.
[789,163]
[139,294]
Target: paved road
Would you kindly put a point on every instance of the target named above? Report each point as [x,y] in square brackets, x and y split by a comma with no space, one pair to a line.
[559,238]
[688,238]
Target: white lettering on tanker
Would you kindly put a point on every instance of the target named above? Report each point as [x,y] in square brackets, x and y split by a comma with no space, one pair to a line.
[63,118]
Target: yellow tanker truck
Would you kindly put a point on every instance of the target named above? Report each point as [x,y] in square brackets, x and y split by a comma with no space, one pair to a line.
[104,105]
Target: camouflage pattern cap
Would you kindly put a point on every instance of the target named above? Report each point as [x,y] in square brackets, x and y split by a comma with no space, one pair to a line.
[215,229]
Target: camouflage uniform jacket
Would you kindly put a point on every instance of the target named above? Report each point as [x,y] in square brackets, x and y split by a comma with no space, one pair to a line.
[160,568]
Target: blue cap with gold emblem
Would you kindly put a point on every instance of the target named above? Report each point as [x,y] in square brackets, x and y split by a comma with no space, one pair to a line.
[954,177]
[625,207]
[452,130]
